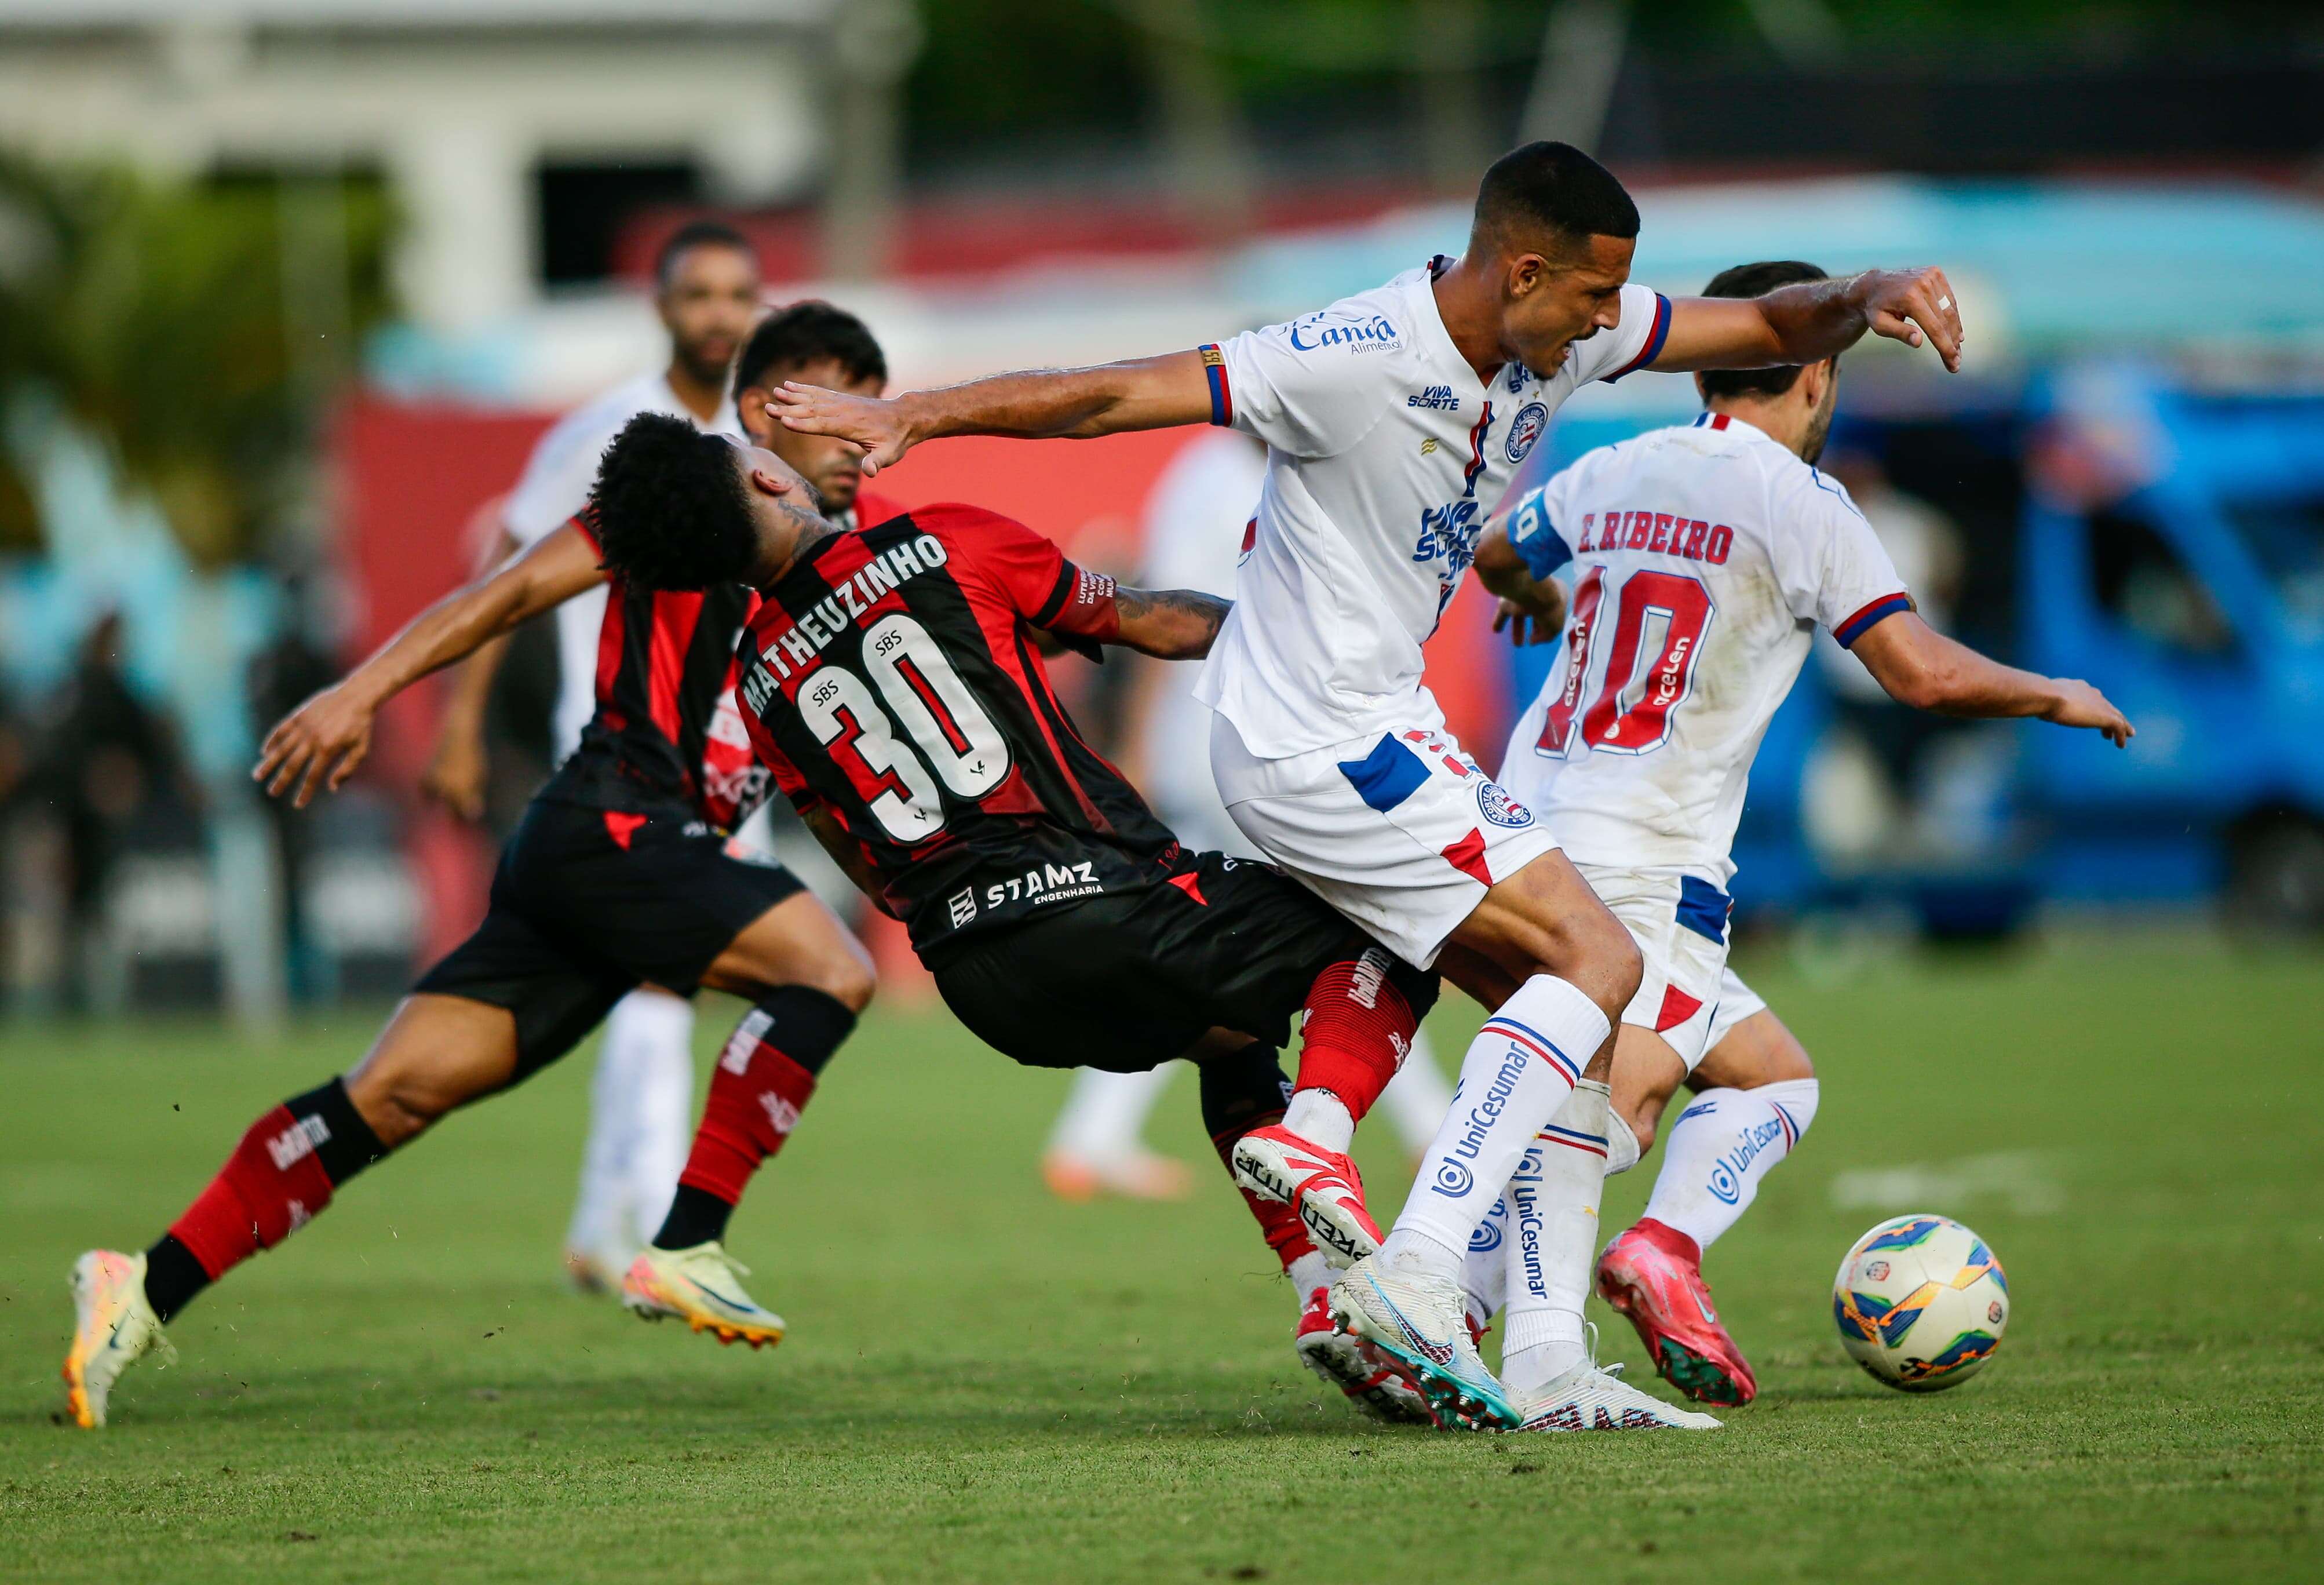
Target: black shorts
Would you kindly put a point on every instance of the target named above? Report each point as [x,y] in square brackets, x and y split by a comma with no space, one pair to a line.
[588,904]
[1128,980]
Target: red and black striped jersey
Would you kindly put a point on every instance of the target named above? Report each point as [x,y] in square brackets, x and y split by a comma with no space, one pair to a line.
[667,738]
[891,680]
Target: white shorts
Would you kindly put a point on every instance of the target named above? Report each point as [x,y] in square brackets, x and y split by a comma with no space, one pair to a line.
[1736,1001]
[1399,829]
[1680,924]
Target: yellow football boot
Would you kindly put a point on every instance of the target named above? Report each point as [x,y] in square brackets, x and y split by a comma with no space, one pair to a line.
[703,1288]
[113,1327]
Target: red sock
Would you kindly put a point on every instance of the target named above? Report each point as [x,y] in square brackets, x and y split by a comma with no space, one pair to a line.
[1358,1030]
[278,1179]
[756,1096]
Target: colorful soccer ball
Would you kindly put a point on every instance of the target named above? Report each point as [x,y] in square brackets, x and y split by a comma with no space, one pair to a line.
[1920,1303]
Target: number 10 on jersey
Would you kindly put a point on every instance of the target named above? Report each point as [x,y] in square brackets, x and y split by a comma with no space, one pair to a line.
[1663,615]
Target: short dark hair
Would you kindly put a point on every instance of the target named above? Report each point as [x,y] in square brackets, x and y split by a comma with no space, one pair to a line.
[1756,281]
[697,233]
[1553,187]
[669,507]
[810,331]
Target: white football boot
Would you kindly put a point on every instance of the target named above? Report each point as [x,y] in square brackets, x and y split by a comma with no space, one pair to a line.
[113,1327]
[1373,1384]
[702,1286]
[1589,1399]
[1420,1322]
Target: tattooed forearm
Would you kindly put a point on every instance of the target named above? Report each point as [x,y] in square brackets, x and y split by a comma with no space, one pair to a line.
[1172,624]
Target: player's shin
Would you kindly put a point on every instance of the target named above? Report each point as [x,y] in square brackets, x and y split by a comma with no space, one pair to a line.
[762,1082]
[1360,1018]
[279,1178]
[1552,1241]
[1517,1074]
[1362,1013]
[1719,1151]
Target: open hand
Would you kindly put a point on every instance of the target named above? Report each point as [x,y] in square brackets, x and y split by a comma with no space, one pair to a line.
[1913,305]
[2081,704]
[318,745]
[871,422]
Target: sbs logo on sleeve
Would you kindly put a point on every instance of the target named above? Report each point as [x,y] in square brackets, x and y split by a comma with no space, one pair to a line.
[1525,429]
[1493,801]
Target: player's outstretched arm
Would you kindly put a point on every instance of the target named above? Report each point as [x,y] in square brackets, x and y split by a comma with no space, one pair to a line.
[1170,625]
[1037,404]
[1532,609]
[318,745]
[1920,666]
[1813,320]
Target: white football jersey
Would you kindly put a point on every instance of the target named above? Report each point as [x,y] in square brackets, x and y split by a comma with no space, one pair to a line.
[1703,558]
[1384,453]
[555,485]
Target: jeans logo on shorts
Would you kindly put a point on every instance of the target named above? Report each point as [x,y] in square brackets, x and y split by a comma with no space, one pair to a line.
[1493,802]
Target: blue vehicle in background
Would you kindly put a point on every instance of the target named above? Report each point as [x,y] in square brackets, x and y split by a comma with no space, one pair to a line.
[2174,555]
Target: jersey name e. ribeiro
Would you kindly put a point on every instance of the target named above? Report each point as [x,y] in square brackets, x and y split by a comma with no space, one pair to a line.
[1702,558]
[1384,454]
[891,680]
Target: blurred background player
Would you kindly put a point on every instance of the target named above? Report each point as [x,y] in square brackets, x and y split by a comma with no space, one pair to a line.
[1703,558]
[642,1099]
[1195,519]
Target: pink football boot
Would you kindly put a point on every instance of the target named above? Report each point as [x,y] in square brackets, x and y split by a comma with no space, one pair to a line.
[1653,1274]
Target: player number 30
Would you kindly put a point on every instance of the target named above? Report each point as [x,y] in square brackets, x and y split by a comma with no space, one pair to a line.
[956,741]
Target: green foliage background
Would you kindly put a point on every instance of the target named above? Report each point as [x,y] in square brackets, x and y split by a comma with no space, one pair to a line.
[160,315]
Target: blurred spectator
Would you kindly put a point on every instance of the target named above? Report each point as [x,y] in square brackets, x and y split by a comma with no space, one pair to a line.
[110,774]
[282,676]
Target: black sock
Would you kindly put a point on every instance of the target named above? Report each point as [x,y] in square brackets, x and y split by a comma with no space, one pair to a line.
[173,1276]
[793,1027]
[348,1145]
[696,1216]
[1243,1090]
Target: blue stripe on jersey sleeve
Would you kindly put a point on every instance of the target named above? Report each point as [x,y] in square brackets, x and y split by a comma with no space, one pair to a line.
[1534,538]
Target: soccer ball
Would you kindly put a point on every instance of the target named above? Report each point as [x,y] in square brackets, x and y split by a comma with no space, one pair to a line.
[1920,1303]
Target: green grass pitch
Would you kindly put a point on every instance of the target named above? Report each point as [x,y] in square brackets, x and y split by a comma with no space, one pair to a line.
[982,1383]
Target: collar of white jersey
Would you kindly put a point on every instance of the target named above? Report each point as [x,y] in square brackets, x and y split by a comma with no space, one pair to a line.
[1732,425]
[723,420]
[1432,320]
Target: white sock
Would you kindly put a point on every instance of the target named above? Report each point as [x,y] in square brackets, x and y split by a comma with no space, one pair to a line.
[1321,1119]
[639,1031]
[1621,1146]
[1553,1242]
[1105,1113]
[1484,1273]
[662,1095]
[1719,1150]
[1417,1098]
[1518,1071]
[1309,1271]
